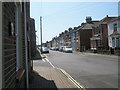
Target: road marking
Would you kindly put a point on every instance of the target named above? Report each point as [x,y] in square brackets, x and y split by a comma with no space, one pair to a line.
[45,55]
[78,85]
[50,63]
[47,60]
[65,73]
[43,60]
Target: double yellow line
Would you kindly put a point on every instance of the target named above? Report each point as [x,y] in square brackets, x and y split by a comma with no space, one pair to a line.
[73,80]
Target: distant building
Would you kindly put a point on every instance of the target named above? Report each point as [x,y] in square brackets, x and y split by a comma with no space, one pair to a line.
[61,39]
[49,44]
[74,39]
[67,38]
[101,36]
[85,33]
[55,42]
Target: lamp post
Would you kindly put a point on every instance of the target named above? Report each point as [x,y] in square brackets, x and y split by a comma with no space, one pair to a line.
[41,31]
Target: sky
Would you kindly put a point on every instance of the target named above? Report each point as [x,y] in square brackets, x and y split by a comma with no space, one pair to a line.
[59,16]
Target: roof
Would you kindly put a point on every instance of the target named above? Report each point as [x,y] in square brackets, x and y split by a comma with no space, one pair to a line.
[88,25]
[105,20]
[75,30]
[114,19]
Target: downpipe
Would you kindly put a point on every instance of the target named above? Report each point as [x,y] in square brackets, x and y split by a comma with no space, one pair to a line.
[26,49]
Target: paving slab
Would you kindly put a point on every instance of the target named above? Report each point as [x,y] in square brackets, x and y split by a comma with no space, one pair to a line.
[49,77]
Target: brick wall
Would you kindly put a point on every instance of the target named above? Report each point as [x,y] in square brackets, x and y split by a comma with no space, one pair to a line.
[104,36]
[85,36]
[9,49]
[9,43]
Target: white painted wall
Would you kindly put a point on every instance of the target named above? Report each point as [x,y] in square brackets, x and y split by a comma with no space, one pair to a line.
[0,45]
[110,26]
[110,30]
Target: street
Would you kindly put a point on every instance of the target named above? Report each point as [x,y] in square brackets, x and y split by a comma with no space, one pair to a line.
[90,70]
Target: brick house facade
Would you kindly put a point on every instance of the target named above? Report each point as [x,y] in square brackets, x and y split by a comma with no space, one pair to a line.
[85,33]
[99,39]
[9,45]
[12,48]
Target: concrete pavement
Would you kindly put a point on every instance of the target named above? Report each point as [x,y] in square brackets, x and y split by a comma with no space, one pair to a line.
[46,76]
[49,77]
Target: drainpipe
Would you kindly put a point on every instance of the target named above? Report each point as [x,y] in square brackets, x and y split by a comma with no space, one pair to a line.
[17,37]
[26,50]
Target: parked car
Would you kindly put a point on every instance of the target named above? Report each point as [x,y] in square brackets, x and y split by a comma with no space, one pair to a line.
[67,49]
[56,49]
[52,48]
[45,50]
[61,48]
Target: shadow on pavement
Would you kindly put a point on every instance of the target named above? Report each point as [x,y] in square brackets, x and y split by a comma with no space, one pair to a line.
[37,56]
[38,81]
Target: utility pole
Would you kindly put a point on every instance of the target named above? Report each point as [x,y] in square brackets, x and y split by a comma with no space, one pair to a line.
[41,31]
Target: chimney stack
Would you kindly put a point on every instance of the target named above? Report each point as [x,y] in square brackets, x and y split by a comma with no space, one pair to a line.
[88,19]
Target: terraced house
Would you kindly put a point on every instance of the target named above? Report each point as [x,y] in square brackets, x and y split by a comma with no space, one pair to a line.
[74,38]
[114,35]
[14,44]
[99,39]
[100,36]
[85,33]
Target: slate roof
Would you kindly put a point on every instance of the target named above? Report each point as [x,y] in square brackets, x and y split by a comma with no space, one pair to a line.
[88,25]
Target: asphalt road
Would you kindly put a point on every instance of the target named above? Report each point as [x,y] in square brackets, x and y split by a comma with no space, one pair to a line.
[90,70]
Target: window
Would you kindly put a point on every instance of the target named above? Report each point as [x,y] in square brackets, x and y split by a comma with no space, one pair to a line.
[118,42]
[113,42]
[76,33]
[99,43]
[97,31]
[115,27]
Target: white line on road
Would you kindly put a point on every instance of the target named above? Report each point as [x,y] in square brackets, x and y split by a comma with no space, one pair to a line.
[69,77]
[47,60]
[43,60]
[50,63]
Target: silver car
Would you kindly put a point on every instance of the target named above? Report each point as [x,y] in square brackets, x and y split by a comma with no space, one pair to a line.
[45,50]
[67,49]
